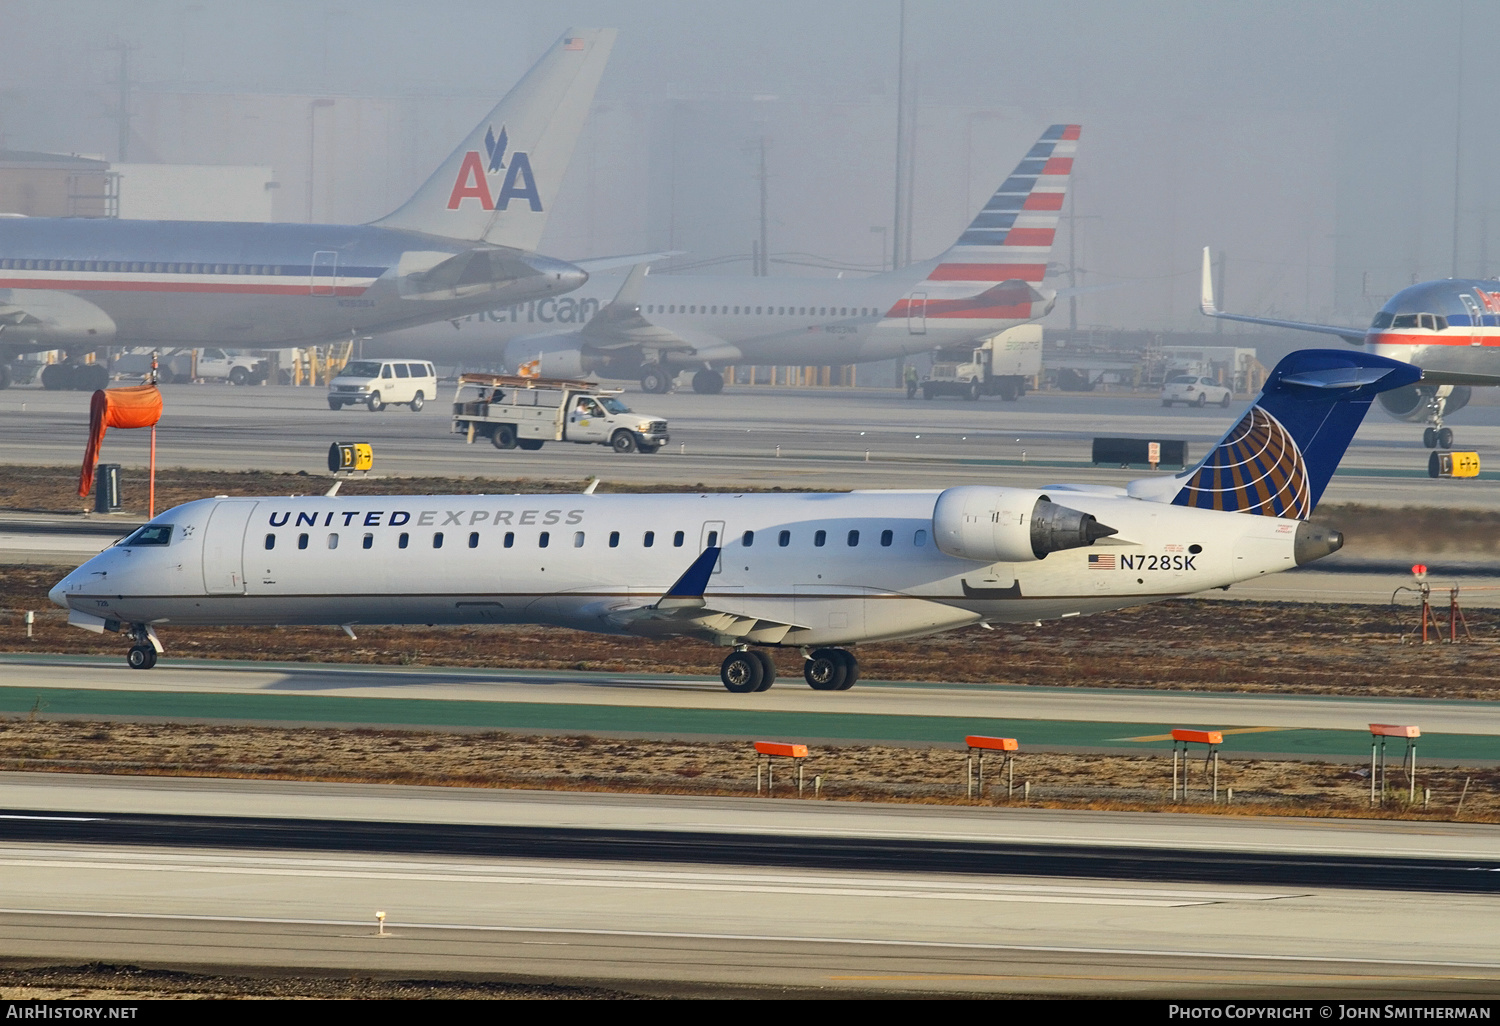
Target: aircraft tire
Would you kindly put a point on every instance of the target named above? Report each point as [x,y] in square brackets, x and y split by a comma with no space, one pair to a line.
[708,382]
[416,402]
[503,437]
[825,671]
[768,666]
[53,376]
[1429,437]
[622,441]
[655,381]
[1445,438]
[851,669]
[741,673]
[141,657]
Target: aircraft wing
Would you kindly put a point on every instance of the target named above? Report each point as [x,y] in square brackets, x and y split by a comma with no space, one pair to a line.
[619,324]
[1354,336]
[686,611]
[609,263]
[1437,377]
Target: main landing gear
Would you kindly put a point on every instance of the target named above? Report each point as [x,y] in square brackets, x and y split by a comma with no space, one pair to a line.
[1437,437]
[142,654]
[827,669]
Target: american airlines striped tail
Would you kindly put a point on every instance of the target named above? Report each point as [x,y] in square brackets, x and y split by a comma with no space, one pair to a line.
[1279,458]
[995,269]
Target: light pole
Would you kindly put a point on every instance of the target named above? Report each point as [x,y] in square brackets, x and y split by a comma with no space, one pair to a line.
[312,138]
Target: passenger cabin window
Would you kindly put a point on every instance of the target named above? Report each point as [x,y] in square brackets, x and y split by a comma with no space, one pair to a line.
[919,539]
[270,541]
[510,539]
[151,534]
[437,539]
[649,539]
[333,541]
[543,539]
[473,539]
[578,539]
[369,540]
[748,539]
[853,538]
[713,539]
[614,539]
[301,541]
[677,540]
[403,541]
[886,537]
[819,538]
[784,539]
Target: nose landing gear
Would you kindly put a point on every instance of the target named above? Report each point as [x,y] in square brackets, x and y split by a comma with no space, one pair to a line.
[1435,436]
[142,655]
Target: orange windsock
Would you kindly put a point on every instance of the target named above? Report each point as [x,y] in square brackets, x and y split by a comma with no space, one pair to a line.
[138,406]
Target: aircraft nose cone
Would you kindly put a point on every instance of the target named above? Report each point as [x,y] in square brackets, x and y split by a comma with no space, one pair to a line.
[57,594]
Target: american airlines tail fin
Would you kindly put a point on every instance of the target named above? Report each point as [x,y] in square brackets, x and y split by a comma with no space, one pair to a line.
[1279,458]
[1012,236]
[499,185]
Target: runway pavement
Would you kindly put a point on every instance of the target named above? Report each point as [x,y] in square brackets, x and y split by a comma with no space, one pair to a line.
[822,435]
[1109,720]
[666,894]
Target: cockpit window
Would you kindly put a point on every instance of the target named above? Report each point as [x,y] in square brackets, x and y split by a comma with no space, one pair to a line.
[1404,321]
[151,534]
[1382,321]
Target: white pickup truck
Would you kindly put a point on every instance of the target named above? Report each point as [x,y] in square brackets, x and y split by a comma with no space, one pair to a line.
[236,368]
[519,412]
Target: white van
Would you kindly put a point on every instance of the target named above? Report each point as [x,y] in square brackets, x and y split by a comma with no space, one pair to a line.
[381,383]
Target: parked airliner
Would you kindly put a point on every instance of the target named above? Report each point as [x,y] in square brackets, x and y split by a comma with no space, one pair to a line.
[1450,328]
[464,242]
[654,327]
[814,572]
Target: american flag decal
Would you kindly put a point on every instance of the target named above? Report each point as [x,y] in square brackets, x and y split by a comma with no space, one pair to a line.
[1098,562]
[573,43]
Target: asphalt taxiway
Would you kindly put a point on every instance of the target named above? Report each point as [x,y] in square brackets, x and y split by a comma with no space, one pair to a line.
[662,893]
[671,706]
[798,438]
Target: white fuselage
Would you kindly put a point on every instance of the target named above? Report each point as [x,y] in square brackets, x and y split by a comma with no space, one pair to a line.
[835,568]
[737,320]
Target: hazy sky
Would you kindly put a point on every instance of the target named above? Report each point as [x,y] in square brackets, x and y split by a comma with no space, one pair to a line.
[1312,141]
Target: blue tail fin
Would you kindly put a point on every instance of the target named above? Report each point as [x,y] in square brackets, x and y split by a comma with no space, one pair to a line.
[1278,459]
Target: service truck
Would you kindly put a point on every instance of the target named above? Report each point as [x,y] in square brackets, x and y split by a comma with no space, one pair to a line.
[1001,365]
[521,412]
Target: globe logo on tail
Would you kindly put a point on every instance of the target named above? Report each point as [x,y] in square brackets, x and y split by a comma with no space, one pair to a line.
[1256,469]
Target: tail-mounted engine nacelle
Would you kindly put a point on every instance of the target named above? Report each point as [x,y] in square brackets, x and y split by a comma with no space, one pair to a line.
[555,356]
[1009,525]
[1416,402]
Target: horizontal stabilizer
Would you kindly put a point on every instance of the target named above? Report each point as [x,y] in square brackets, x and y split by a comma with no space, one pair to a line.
[594,265]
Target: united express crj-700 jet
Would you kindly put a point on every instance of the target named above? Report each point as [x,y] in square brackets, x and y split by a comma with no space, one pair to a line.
[816,573]
[1450,328]
[464,242]
[654,327]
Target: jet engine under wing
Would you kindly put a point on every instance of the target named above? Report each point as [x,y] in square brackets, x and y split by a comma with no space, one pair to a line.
[1354,336]
[619,324]
[33,319]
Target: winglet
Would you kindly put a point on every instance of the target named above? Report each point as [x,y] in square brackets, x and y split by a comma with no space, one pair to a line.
[688,591]
[1206,300]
